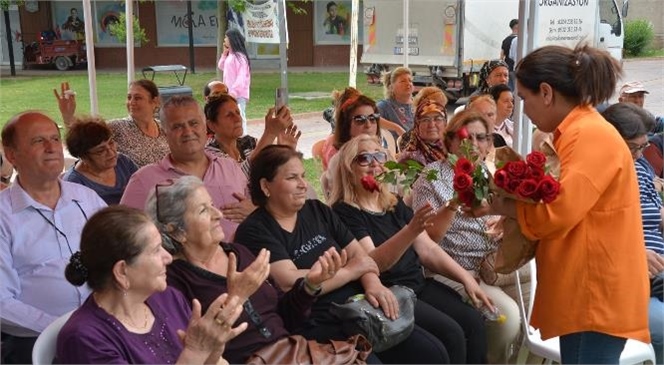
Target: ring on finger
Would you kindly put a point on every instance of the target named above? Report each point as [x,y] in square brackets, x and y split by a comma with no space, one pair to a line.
[220,321]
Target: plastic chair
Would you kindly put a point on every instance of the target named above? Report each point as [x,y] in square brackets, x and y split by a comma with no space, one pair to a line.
[44,350]
[317,149]
[635,352]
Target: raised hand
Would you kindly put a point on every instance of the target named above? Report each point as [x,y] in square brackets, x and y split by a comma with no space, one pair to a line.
[277,121]
[289,136]
[66,103]
[244,284]
[327,266]
[421,219]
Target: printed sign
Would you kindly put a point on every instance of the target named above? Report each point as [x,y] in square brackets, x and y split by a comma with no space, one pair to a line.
[261,23]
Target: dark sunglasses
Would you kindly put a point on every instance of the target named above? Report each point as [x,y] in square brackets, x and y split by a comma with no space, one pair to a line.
[164,184]
[363,119]
[365,158]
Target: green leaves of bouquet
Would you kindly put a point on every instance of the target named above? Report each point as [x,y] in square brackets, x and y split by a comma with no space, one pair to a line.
[471,178]
[405,173]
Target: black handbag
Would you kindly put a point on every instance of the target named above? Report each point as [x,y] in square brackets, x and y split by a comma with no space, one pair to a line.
[358,316]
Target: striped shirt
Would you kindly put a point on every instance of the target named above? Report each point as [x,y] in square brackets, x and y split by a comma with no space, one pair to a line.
[651,205]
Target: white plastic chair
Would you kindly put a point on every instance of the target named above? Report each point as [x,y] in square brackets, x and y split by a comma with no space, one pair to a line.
[635,352]
[44,350]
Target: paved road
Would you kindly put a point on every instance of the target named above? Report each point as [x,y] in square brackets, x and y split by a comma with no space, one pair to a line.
[648,71]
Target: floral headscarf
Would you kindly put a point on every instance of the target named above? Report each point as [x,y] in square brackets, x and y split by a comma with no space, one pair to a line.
[486,70]
[429,151]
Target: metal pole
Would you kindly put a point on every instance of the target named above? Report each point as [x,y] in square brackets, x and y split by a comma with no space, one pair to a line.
[406,31]
[352,74]
[10,44]
[190,15]
[283,46]
[90,50]
[129,23]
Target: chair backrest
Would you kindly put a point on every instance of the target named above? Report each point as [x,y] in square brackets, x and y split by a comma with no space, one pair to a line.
[44,350]
[317,149]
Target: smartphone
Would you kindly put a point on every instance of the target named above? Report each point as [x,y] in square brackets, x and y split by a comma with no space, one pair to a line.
[280,98]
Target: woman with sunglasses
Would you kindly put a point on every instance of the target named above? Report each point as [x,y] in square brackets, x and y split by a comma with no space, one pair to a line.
[99,166]
[390,233]
[205,266]
[426,141]
[132,316]
[464,237]
[633,123]
[297,231]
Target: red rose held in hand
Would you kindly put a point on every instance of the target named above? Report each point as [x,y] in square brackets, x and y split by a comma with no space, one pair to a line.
[512,185]
[500,178]
[463,182]
[527,189]
[535,173]
[463,133]
[548,189]
[369,183]
[536,158]
[466,197]
[516,168]
[463,166]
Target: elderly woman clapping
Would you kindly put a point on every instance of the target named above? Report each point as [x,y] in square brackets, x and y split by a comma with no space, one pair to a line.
[131,315]
[204,267]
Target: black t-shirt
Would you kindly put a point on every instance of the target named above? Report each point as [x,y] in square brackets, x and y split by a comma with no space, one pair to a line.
[507,43]
[380,227]
[317,229]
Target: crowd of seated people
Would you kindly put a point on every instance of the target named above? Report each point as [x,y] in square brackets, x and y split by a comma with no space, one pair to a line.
[175,237]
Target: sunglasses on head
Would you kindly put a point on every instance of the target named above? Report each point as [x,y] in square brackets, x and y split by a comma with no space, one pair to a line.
[365,158]
[363,119]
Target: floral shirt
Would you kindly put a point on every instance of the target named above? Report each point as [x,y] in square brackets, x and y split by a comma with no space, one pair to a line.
[139,147]
[466,240]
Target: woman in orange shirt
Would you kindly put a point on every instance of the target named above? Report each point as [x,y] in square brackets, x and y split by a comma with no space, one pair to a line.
[591,267]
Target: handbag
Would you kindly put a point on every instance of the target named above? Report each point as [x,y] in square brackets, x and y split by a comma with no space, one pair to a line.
[296,349]
[357,315]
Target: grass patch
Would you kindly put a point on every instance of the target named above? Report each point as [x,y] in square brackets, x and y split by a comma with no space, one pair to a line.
[313,169]
[21,93]
[648,53]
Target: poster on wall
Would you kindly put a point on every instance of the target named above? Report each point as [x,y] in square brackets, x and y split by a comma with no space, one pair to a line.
[261,23]
[173,24]
[68,22]
[107,13]
[332,22]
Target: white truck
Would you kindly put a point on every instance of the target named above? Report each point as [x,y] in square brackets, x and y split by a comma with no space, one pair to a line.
[451,39]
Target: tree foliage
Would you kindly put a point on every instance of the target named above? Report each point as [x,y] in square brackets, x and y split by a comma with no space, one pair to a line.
[119,30]
[639,34]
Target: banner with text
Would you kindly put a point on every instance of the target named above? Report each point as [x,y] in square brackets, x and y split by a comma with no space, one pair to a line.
[261,23]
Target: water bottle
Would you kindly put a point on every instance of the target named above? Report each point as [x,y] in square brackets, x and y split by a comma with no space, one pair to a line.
[492,314]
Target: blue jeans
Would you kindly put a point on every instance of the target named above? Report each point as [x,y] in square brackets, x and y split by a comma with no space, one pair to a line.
[656,323]
[591,348]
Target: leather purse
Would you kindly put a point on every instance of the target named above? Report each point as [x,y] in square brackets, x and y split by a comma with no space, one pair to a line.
[296,349]
[357,315]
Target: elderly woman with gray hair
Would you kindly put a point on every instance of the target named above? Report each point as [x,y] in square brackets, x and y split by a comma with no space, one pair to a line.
[397,105]
[204,267]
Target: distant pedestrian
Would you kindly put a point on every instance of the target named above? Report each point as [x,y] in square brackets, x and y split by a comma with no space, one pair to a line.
[505,51]
[236,68]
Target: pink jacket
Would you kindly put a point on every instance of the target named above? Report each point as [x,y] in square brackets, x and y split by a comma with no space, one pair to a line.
[236,74]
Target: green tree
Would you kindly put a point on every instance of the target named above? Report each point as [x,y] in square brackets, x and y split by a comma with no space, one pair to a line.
[119,30]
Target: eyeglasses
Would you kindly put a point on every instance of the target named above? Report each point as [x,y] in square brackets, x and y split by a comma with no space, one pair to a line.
[363,119]
[436,119]
[166,183]
[365,158]
[100,150]
[635,148]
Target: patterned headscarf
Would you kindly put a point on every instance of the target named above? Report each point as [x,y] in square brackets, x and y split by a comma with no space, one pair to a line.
[485,71]
[430,151]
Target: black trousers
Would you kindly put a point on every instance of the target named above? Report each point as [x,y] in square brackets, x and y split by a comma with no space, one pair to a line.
[17,350]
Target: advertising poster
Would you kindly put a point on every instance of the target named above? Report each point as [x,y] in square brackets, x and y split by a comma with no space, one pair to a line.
[173,23]
[68,20]
[332,22]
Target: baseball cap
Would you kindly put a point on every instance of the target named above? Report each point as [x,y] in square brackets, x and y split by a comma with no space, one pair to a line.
[633,87]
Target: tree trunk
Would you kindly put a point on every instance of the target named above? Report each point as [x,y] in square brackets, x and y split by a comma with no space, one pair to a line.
[10,44]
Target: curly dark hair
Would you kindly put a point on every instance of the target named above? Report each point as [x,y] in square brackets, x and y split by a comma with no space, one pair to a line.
[85,134]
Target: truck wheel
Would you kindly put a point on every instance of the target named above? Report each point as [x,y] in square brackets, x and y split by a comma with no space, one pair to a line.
[61,63]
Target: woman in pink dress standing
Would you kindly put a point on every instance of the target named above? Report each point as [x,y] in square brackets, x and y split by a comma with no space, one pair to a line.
[236,68]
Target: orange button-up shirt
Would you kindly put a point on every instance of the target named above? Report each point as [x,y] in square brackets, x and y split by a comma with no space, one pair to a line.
[591,263]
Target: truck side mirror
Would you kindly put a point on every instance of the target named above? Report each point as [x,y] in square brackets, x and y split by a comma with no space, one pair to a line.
[625,7]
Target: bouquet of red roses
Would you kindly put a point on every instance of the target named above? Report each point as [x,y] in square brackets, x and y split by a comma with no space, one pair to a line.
[526,180]
[471,177]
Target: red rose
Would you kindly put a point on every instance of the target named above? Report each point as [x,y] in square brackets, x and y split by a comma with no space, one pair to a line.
[500,178]
[369,183]
[463,133]
[535,173]
[536,158]
[512,185]
[527,189]
[516,168]
[548,189]
[462,182]
[467,197]
[463,166]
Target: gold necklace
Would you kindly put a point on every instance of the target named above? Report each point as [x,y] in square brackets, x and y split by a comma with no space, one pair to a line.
[127,320]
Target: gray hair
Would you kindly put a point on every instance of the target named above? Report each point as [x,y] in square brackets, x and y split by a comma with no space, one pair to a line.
[177,101]
[172,207]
